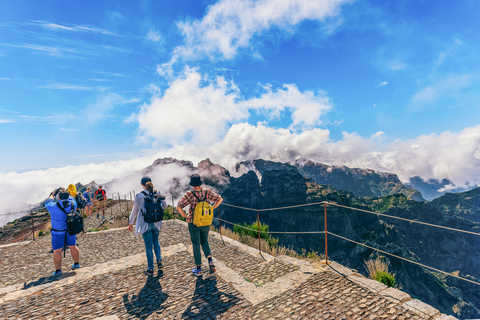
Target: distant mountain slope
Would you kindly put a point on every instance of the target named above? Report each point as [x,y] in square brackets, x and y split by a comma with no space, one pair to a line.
[465,204]
[443,249]
[433,188]
[362,182]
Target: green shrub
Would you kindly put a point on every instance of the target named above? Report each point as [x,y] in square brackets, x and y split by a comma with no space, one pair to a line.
[272,242]
[97,229]
[41,233]
[378,270]
[385,278]
[312,255]
[45,219]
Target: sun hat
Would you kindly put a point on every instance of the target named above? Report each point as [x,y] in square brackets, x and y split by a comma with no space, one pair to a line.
[195,180]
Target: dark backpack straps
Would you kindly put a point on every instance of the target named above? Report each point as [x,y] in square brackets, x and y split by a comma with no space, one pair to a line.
[61,208]
[196,196]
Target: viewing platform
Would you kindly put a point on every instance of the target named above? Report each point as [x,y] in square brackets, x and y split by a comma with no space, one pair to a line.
[111,284]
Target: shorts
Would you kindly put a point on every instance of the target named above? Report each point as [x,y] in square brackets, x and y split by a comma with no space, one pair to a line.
[58,240]
[100,205]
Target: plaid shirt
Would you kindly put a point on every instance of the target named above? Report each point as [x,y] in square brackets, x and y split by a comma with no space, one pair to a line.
[190,199]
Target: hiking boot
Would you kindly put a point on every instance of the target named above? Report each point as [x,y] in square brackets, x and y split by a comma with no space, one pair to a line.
[197,272]
[75,266]
[159,264]
[57,273]
[148,272]
[212,267]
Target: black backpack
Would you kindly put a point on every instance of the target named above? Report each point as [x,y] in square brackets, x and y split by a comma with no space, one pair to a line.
[81,201]
[74,220]
[153,211]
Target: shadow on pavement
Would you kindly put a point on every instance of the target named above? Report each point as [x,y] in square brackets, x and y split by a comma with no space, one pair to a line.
[149,300]
[45,280]
[208,301]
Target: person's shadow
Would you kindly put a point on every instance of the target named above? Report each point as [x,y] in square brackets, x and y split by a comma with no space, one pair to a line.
[149,300]
[208,300]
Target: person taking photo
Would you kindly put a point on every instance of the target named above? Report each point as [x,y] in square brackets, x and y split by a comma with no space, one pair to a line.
[60,235]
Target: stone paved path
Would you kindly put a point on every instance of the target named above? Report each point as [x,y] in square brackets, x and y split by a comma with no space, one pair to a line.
[246,285]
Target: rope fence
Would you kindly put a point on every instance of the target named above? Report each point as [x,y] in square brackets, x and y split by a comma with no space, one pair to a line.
[325,203]
[414,262]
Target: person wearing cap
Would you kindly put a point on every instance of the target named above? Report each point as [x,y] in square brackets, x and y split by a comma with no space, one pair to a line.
[99,201]
[149,231]
[198,235]
[59,232]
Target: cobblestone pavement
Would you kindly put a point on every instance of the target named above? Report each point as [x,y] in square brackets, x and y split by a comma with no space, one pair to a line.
[129,294]
[267,272]
[330,296]
[242,260]
[27,263]
[111,282]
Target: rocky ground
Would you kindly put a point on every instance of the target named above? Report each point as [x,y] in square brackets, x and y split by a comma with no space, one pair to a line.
[246,286]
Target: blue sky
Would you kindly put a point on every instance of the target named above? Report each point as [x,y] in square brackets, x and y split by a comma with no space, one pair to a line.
[388,85]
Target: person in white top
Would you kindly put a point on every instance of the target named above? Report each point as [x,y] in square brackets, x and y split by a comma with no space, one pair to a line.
[149,231]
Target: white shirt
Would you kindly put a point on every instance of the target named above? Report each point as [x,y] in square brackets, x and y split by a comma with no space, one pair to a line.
[138,206]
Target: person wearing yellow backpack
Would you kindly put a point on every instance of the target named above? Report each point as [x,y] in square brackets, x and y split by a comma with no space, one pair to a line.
[199,219]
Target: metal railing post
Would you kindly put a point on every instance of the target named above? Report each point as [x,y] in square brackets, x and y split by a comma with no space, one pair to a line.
[326,233]
[173,210]
[219,222]
[33,225]
[258,223]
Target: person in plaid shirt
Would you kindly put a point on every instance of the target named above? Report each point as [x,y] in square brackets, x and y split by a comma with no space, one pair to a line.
[198,235]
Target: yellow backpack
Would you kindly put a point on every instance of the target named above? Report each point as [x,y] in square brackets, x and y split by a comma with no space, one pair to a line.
[203,214]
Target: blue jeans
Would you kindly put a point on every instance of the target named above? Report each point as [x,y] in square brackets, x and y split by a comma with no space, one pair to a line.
[150,237]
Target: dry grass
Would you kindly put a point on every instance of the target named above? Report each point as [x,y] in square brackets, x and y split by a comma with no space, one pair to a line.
[265,247]
[379,264]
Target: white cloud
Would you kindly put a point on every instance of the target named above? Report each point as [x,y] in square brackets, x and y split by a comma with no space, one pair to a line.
[230,25]
[6,121]
[384,83]
[446,87]
[102,107]
[307,107]
[53,51]
[73,28]
[36,185]
[196,108]
[153,36]
[455,156]
[65,86]
[397,65]
[5,79]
